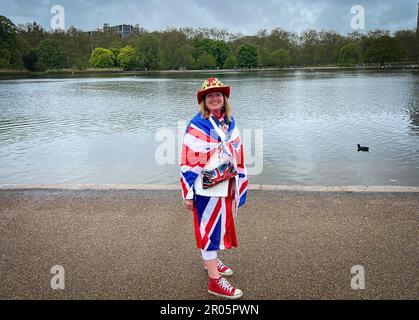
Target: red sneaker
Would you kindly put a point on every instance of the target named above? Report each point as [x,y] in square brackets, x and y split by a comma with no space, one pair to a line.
[222,288]
[223,269]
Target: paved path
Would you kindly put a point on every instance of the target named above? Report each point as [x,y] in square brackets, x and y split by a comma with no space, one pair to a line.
[139,244]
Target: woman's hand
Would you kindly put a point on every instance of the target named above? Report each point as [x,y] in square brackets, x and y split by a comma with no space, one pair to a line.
[189,204]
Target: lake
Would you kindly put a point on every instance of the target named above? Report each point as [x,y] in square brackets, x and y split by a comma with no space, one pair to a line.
[301,127]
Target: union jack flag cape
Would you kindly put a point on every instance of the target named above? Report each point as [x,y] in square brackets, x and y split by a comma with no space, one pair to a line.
[201,140]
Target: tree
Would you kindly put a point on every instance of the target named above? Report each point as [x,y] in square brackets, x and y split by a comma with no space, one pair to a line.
[384,48]
[184,57]
[4,58]
[32,34]
[279,58]
[247,56]
[175,50]
[310,47]
[115,52]
[30,61]
[217,48]
[409,42]
[280,39]
[221,52]
[350,54]
[378,33]
[206,61]
[10,55]
[198,48]
[127,58]
[330,43]
[50,55]
[148,51]
[231,62]
[101,58]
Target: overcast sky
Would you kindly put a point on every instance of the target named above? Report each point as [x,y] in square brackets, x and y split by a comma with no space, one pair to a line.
[245,16]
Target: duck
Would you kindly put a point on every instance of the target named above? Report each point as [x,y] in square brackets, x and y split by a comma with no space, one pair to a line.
[360,148]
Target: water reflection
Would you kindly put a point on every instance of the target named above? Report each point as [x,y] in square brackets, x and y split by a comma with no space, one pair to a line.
[413,105]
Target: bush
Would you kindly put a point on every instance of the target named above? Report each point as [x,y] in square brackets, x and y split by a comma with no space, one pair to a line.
[127,58]
[101,58]
[115,52]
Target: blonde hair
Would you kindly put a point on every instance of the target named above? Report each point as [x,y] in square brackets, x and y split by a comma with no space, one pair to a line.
[226,109]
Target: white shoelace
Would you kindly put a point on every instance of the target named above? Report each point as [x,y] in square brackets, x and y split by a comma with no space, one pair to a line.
[225,284]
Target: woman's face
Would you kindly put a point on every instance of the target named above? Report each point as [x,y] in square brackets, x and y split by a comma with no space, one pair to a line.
[214,101]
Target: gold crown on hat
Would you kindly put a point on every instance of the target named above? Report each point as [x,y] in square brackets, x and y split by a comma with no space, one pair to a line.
[211,83]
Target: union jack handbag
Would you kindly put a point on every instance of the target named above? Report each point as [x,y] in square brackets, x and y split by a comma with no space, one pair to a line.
[223,172]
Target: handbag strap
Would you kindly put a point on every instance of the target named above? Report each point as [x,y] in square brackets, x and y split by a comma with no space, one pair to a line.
[222,136]
[218,129]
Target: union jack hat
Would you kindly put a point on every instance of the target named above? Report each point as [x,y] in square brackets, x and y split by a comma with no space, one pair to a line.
[212,85]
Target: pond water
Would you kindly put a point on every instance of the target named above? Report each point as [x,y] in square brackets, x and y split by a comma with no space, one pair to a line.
[301,127]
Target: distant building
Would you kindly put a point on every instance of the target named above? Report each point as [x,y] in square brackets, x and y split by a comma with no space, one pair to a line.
[124,29]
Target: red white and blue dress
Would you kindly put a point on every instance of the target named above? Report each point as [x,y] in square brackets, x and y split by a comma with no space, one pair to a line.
[213,208]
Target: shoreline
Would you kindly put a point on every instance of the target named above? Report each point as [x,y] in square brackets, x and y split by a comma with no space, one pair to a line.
[6,74]
[165,187]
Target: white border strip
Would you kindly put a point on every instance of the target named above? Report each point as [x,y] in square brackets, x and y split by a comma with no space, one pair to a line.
[177,187]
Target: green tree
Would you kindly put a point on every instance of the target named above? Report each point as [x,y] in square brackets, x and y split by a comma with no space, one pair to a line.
[101,58]
[330,43]
[175,50]
[184,57]
[4,58]
[217,48]
[30,61]
[409,43]
[350,54]
[384,49]
[247,56]
[310,47]
[148,51]
[10,55]
[115,52]
[279,58]
[206,61]
[231,62]
[127,58]
[50,55]
[221,52]
[30,36]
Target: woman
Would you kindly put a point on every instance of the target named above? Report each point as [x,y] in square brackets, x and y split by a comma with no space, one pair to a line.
[213,179]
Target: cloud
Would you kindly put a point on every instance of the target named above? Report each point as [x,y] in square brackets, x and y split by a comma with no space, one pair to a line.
[245,16]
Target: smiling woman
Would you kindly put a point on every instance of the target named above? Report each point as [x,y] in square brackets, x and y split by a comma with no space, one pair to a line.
[212,143]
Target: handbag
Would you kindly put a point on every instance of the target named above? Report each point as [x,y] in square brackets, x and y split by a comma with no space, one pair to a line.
[224,172]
